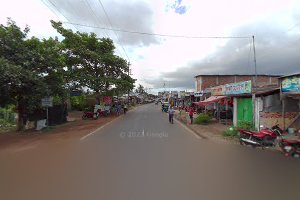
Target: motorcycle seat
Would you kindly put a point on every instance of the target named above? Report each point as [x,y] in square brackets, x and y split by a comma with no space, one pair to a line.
[259,135]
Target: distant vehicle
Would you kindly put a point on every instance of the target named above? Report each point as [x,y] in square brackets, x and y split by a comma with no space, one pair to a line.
[165,106]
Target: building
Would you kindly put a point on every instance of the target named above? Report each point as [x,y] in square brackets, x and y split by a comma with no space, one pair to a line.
[203,82]
[290,96]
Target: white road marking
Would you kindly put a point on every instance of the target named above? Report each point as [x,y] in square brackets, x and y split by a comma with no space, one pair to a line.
[98,129]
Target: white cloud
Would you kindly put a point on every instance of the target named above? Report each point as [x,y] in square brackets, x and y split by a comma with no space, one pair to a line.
[155,59]
[30,12]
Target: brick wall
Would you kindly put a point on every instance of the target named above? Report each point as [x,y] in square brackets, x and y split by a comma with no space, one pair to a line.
[269,119]
[212,81]
[243,78]
[225,79]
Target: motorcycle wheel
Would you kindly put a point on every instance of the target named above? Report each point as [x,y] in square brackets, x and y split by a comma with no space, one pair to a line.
[266,141]
[242,143]
[95,116]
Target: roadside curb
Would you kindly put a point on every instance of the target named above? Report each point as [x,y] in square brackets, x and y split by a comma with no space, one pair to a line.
[191,129]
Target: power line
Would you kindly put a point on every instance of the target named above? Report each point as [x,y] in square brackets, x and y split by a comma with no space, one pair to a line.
[57,11]
[96,17]
[113,29]
[162,35]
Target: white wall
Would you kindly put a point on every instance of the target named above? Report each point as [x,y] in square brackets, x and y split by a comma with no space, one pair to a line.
[234,111]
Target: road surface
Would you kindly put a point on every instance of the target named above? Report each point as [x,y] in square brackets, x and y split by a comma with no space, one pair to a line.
[141,156]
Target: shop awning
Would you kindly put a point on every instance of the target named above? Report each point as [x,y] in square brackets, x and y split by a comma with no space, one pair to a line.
[209,100]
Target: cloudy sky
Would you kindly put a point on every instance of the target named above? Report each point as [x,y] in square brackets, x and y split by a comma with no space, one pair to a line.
[168,42]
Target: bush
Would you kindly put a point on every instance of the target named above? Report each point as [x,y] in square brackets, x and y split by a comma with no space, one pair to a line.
[245,125]
[78,102]
[202,119]
[234,131]
[7,114]
[231,132]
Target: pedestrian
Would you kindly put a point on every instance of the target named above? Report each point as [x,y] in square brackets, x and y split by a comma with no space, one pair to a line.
[119,108]
[125,108]
[171,114]
[191,114]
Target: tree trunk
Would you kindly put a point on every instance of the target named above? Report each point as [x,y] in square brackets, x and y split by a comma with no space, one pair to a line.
[20,122]
[97,97]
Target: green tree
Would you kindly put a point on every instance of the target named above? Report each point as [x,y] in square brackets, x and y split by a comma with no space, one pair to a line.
[140,89]
[92,62]
[29,69]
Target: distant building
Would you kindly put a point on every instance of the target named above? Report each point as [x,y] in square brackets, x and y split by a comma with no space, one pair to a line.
[203,81]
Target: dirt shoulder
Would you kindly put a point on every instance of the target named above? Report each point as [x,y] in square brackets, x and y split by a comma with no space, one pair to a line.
[212,131]
[75,128]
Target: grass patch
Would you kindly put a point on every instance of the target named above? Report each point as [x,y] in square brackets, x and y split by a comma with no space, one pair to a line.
[231,132]
[202,119]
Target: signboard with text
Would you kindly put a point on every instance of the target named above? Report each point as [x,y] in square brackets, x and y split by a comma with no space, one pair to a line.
[291,84]
[198,94]
[218,90]
[107,99]
[238,88]
[47,102]
[244,87]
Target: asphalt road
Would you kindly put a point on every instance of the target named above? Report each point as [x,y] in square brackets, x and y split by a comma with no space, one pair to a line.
[141,156]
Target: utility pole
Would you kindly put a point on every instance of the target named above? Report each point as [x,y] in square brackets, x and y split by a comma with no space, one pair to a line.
[254,85]
[129,73]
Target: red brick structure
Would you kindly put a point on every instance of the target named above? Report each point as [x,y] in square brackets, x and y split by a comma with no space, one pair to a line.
[206,81]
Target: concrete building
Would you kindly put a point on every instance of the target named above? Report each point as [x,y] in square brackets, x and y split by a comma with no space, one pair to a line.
[203,81]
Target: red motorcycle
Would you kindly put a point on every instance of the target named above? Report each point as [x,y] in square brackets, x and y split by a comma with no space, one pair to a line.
[290,147]
[264,138]
[93,115]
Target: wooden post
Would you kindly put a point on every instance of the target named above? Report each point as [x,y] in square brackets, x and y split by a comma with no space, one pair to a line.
[283,113]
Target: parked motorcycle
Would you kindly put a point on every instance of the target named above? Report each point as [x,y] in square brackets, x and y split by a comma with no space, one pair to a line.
[290,147]
[94,115]
[264,138]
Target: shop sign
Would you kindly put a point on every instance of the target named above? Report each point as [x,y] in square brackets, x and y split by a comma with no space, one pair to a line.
[218,90]
[244,87]
[187,94]
[291,84]
[107,99]
[75,93]
[198,94]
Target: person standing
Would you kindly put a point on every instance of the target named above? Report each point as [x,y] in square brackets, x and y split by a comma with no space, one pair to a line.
[191,114]
[125,108]
[171,114]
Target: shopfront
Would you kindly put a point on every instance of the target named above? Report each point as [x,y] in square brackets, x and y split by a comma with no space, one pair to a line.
[290,95]
[236,103]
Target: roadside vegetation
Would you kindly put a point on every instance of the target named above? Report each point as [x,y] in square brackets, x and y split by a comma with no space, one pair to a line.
[202,119]
[32,68]
[233,132]
[7,118]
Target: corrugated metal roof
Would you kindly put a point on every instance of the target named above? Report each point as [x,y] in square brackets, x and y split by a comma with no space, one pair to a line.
[295,74]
